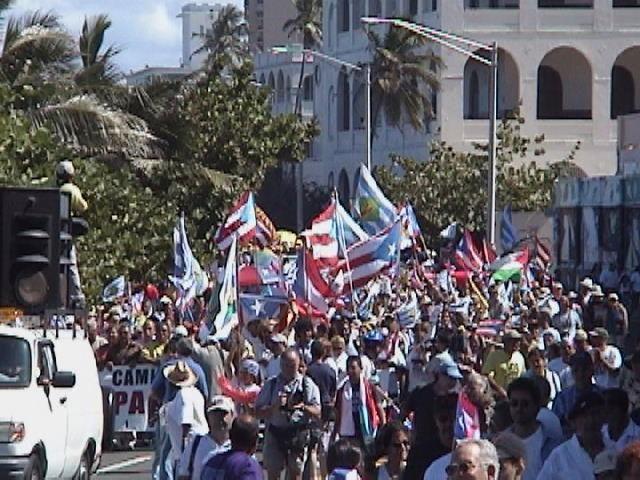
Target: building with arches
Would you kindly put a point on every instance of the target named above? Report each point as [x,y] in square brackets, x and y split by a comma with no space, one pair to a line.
[570,67]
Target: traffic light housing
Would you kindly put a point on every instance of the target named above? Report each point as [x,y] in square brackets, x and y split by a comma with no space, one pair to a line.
[34,234]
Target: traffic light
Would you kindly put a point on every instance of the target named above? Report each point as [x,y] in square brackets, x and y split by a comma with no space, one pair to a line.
[30,262]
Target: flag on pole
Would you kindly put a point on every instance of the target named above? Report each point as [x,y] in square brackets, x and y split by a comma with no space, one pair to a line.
[310,288]
[372,209]
[466,254]
[450,232]
[508,233]
[411,229]
[467,419]
[268,265]
[259,307]
[367,259]
[265,230]
[227,317]
[510,266]
[542,255]
[240,223]
[327,230]
[114,290]
[188,277]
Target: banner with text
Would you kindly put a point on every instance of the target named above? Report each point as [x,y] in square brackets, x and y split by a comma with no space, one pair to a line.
[131,389]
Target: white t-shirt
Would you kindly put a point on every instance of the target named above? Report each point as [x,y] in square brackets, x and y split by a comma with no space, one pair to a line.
[568,461]
[207,448]
[611,355]
[187,408]
[550,422]
[563,370]
[436,470]
[533,445]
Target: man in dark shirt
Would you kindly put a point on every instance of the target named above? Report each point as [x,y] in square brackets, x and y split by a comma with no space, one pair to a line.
[426,446]
[324,377]
[237,463]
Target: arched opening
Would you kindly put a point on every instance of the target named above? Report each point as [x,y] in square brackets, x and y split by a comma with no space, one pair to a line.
[625,83]
[476,86]
[329,33]
[343,188]
[344,101]
[287,89]
[280,87]
[272,87]
[331,183]
[564,85]
[344,15]
[375,8]
[331,101]
[359,104]
[358,13]
[262,79]
[307,88]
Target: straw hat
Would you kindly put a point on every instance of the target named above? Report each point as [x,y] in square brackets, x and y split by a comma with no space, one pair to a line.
[180,374]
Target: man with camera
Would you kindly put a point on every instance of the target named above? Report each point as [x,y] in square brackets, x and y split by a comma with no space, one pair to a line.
[290,405]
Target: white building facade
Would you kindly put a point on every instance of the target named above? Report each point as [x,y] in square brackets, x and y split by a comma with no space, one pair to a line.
[571,66]
[196,21]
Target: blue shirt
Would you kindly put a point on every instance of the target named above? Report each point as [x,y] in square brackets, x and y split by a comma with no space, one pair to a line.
[166,390]
[232,465]
[566,399]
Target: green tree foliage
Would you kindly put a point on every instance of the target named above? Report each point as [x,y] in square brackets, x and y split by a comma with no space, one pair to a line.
[452,186]
[231,138]
[130,225]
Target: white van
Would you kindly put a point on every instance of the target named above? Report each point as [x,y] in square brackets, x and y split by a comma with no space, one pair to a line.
[50,405]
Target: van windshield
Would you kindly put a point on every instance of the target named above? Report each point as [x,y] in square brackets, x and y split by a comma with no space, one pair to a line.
[15,362]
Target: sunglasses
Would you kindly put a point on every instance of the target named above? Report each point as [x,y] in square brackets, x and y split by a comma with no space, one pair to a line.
[454,468]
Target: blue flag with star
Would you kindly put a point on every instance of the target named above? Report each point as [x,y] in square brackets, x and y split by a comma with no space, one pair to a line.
[260,307]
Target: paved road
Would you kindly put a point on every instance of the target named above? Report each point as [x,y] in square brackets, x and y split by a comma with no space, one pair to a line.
[134,465]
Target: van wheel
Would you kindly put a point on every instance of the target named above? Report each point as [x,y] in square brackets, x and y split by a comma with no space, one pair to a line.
[84,469]
[34,470]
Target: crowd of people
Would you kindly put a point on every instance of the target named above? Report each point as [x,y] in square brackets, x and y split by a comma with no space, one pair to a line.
[427,378]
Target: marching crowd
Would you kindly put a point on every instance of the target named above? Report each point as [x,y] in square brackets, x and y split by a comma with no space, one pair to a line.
[435,379]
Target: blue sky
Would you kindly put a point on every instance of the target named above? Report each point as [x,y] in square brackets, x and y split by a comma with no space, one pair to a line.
[148,31]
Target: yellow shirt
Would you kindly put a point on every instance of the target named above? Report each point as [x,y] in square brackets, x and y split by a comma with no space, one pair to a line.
[78,203]
[503,369]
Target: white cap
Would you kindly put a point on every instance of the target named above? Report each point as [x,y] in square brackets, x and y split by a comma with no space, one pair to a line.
[181,331]
[65,169]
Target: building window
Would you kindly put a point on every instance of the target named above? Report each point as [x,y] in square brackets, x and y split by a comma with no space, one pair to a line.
[625,82]
[344,102]
[473,4]
[565,3]
[344,15]
[359,104]
[564,85]
[413,7]
[280,87]
[272,87]
[307,88]
[343,188]
[626,3]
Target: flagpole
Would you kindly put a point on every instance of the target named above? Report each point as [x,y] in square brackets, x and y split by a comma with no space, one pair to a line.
[237,274]
[342,243]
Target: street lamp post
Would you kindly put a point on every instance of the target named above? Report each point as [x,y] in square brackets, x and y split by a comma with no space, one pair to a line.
[447,40]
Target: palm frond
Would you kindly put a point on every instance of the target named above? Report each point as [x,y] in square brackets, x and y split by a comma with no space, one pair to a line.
[86,125]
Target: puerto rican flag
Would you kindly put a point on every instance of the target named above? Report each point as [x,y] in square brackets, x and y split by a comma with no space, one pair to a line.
[365,260]
[312,291]
[332,232]
[265,230]
[467,419]
[542,255]
[240,223]
[467,256]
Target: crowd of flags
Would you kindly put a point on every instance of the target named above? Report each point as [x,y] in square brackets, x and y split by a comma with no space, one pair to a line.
[342,253]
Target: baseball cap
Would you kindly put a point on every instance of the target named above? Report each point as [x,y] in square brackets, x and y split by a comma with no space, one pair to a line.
[449,367]
[585,404]
[181,331]
[250,366]
[221,402]
[599,332]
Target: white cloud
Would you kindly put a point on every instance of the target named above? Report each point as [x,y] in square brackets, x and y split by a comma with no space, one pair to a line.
[148,31]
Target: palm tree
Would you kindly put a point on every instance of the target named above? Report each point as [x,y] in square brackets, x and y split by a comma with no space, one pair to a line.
[39,61]
[226,41]
[98,67]
[403,78]
[308,25]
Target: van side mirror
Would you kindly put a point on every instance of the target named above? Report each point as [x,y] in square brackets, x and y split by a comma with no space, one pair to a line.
[64,379]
